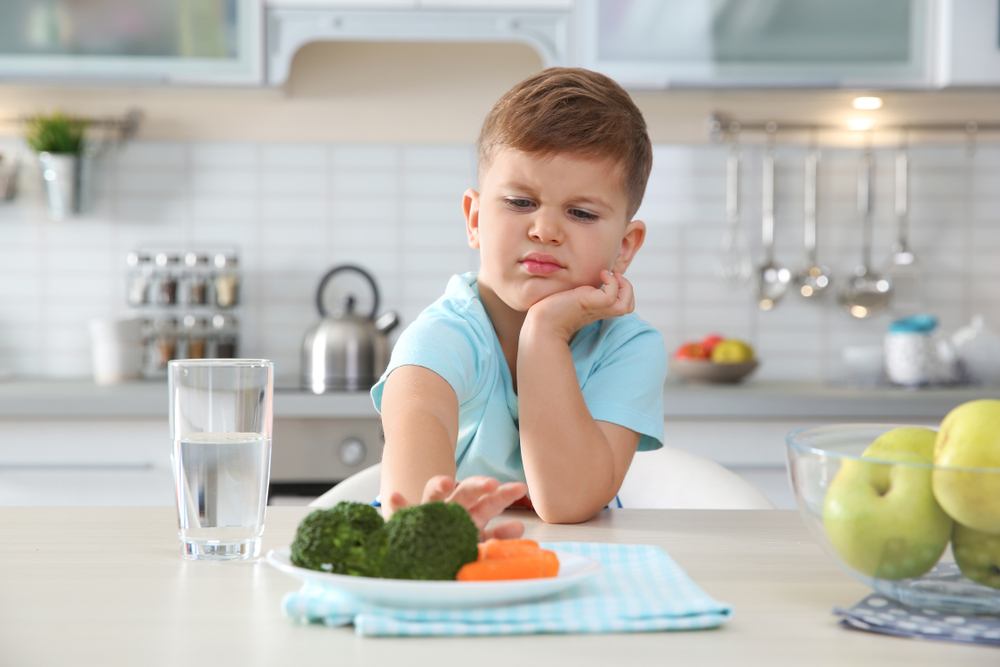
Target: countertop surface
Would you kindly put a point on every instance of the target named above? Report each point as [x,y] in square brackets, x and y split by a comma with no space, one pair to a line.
[107,586]
[751,400]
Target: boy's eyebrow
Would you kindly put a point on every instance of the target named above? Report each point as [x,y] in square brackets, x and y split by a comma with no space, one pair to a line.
[527,189]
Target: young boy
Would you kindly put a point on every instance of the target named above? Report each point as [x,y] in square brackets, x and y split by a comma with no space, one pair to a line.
[533,370]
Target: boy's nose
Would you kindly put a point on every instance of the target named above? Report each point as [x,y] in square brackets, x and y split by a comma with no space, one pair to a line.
[545,227]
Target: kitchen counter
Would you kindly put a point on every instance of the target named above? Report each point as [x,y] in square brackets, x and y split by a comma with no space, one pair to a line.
[148,398]
[107,586]
[751,400]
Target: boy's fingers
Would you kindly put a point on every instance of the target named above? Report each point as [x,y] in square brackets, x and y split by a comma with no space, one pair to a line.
[470,489]
[626,295]
[611,285]
[397,502]
[438,488]
[490,505]
[505,530]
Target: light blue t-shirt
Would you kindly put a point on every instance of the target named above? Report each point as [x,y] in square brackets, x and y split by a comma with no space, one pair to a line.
[620,362]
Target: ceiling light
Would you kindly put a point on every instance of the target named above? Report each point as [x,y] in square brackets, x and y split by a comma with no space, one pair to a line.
[867,102]
[861,123]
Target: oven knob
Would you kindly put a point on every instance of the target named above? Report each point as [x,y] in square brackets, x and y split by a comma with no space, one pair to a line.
[352,452]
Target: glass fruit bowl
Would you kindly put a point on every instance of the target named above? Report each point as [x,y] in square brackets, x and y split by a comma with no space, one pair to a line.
[882,516]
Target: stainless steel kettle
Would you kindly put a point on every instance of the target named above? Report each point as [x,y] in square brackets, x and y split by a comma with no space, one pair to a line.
[346,351]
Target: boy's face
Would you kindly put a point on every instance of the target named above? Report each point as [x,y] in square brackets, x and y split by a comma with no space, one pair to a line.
[549,224]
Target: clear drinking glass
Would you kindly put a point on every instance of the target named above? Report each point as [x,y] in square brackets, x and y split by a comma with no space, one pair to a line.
[220,424]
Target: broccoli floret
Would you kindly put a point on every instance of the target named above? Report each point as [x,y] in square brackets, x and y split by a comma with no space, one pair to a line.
[430,541]
[346,539]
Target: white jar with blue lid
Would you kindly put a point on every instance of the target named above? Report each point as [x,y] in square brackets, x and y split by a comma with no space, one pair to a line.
[911,354]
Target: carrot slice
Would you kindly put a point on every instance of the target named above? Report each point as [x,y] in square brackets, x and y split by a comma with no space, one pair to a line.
[543,564]
[494,548]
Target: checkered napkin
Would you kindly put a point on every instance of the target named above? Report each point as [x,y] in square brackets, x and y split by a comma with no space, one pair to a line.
[639,589]
[879,614]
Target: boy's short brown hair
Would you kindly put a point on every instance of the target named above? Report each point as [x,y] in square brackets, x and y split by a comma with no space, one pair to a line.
[568,110]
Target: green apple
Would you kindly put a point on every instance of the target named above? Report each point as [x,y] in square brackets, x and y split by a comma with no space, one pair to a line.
[970,438]
[977,554]
[911,439]
[882,518]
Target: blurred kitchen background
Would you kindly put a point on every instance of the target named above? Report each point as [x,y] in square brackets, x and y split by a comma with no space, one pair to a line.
[313,133]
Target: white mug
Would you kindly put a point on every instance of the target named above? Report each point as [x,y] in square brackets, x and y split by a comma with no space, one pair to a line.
[117,348]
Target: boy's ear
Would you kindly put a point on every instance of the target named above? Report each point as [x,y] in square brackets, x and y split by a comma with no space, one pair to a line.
[470,205]
[635,234]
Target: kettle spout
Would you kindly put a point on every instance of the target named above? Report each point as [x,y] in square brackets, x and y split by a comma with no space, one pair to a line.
[387,322]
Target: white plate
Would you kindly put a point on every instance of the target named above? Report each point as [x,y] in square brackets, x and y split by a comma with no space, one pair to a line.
[573,568]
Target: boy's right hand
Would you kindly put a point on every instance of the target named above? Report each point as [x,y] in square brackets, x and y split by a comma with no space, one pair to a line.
[483,497]
[565,313]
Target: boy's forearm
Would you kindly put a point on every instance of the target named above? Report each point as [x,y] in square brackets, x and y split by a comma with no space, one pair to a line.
[420,420]
[569,463]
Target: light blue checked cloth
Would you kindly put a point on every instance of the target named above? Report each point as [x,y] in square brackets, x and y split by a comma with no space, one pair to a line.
[639,589]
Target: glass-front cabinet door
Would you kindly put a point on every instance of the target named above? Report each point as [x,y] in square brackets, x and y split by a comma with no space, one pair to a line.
[167,41]
[822,43]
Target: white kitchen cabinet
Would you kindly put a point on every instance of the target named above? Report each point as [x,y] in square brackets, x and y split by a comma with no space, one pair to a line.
[970,43]
[289,28]
[755,448]
[455,5]
[125,460]
[147,41]
[763,43]
[81,461]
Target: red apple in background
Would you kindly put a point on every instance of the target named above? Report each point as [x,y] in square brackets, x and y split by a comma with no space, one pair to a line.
[692,351]
[709,342]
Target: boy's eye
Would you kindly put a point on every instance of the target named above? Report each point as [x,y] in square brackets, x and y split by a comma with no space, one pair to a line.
[517,202]
[580,214]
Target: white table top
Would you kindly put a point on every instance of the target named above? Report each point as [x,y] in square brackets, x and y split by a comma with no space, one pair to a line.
[107,586]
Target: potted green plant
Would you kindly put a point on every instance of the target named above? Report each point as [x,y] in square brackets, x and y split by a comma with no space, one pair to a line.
[59,141]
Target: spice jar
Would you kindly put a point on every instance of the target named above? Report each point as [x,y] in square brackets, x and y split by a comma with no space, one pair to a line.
[225,336]
[165,335]
[165,284]
[138,278]
[195,336]
[227,280]
[195,279]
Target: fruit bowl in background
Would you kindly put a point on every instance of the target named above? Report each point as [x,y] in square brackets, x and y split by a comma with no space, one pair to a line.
[700,370]
[882,529]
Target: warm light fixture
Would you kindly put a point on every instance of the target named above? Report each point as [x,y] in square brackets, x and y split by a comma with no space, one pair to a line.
[860,123]
[867,102]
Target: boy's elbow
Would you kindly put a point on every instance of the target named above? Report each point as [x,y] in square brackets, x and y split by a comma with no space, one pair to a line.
[553,513]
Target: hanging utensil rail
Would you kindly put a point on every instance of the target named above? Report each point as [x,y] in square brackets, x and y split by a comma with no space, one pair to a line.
[125,125]
[721,127]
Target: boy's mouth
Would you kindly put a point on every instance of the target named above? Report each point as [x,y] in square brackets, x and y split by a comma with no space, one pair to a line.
[540,264]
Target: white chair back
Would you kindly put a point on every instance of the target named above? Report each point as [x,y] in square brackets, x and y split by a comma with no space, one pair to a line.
[671,478]
[361,487]
[666,478]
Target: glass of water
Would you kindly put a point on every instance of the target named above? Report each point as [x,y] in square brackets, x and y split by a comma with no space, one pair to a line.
[220,424]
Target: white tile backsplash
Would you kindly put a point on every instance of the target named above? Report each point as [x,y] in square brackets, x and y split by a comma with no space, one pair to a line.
[295,210]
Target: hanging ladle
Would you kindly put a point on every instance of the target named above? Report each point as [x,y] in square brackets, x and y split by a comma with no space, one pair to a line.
[902,254]
[772,280]
[867,294]
[814,280]
[733,265]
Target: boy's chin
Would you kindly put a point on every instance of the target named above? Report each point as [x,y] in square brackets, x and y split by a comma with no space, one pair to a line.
[523,302]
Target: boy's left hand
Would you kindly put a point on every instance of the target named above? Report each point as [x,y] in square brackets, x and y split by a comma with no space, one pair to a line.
[565,313]
[483,497]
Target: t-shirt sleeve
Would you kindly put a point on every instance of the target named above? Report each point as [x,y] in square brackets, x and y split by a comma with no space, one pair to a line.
[445,345]
[625,387]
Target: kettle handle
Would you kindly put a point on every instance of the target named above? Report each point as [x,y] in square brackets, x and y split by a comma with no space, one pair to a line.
[334,271]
